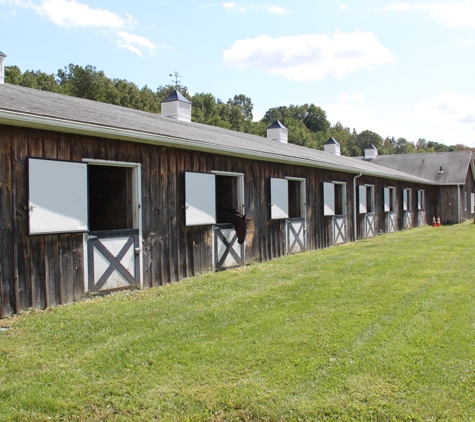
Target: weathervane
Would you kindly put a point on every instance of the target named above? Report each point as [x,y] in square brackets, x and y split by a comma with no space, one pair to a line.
[176,75]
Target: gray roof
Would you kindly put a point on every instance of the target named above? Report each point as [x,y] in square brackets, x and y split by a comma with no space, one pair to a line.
[3,55]
[277,125]
[455,165]
[22,106]
[176,96]
[331,141]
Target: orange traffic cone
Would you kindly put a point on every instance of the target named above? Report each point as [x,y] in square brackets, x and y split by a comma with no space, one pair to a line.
[434,224]
[438,222]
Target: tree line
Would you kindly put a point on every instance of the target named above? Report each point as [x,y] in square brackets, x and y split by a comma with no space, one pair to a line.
[307,124]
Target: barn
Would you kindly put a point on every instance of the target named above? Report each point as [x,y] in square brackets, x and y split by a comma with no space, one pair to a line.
[453,172]
[96,197]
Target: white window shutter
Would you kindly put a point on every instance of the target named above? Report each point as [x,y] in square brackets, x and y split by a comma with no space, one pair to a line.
[387,206]
[200,198]
[404,199]
[328,198]
[279,198]
[363,204]
[57,199]
[419,199]
[472,202]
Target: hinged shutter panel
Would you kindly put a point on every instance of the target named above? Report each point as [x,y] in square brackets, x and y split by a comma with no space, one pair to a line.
[404,199]
[57,196]
[363,206]
[200,197]
[472,203]
[387,206]
[279,198]
[419,199]
[328,199]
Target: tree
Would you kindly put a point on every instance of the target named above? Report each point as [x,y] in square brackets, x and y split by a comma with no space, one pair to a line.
[367,137]
[403,146]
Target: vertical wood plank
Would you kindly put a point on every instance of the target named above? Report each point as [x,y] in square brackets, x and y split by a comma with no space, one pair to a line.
[6,223]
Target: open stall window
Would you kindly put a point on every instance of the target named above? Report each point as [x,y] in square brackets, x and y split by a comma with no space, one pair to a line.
[334,198]
[57,196]
[110,198]
[279,198]
[420,199]
[389,196]
[296,188]
[465,201]
[370,198]
[229,195]
[407,199]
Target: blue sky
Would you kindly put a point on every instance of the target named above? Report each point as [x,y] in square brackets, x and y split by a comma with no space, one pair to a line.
[402,69]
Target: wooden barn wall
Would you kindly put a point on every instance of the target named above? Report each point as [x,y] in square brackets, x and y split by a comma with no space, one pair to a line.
[41,271]
[449,201]
[381,223]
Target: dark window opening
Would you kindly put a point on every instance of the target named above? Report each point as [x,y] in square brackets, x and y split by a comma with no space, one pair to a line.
[369,199]
[110,198]
[226,197]
[295,199]
[339,200]
[392,199]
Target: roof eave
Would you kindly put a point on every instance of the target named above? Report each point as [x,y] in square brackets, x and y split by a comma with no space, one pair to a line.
[16,118]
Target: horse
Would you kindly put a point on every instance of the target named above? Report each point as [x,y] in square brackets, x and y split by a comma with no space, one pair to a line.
[239,221]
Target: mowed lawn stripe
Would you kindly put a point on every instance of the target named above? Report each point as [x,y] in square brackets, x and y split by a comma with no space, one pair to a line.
[381,329]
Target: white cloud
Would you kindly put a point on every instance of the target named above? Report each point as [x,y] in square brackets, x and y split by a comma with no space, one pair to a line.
[343,7]
[356,97]
[135,43]
[309,57]
[451,14]
[278,10]
[448,107]
[69,13]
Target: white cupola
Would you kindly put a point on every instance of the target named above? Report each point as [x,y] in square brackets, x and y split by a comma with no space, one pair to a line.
[177,107]
[2,68]
[278,132]
[370,152]
[332,146]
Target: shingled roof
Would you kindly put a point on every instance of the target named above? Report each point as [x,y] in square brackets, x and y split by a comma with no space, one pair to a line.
[22,106]
[445,168]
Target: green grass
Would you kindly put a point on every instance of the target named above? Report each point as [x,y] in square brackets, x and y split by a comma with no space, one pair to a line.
[379,330]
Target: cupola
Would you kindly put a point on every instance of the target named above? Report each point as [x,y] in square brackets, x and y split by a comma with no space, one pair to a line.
[278,132]
[2,68]
[177,107]
[370,152]
[332,146]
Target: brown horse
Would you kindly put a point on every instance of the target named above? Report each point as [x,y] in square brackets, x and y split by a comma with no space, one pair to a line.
[239,221]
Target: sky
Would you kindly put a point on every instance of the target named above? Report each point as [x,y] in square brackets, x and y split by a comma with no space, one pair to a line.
[401,69]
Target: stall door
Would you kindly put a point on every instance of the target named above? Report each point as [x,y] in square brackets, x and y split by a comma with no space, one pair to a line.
[391,222]
[113,240]
[407,220]
[421,218]
[369,225]
[227,251]
[295,235]
[113,258]
[339,229]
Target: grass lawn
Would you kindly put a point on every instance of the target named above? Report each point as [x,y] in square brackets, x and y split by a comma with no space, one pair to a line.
[378,330]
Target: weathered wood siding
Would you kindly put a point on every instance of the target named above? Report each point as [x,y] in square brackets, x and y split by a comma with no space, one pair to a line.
[46,270]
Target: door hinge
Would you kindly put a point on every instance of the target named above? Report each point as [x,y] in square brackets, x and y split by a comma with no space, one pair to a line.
[90,237]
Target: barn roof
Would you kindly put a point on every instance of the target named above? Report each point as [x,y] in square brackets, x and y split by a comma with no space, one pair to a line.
[446,168]
[3,55]
[27,107]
